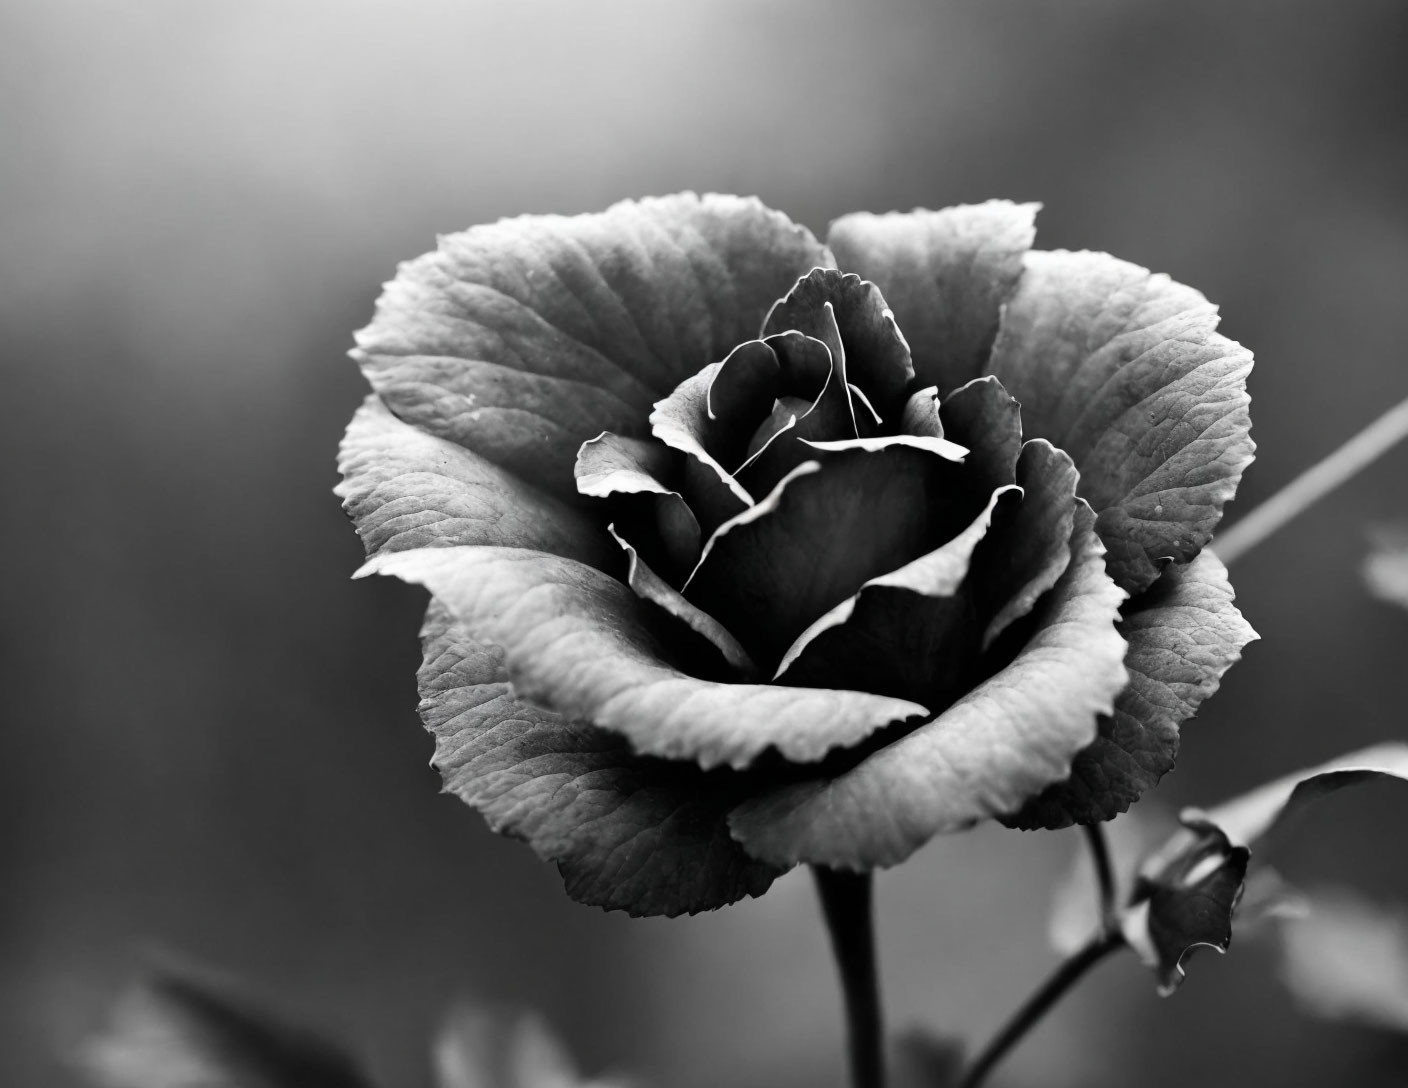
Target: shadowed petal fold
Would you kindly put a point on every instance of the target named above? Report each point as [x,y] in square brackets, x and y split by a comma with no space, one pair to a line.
[909,633]
[582,644]
[813,542]
[997,746]
[946,275]
[522,339]
[1124,371]
[627,832]
[984,417]
[1183,634]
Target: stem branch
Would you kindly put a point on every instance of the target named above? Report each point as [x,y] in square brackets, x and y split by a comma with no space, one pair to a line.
[846,901]
[1314,484]
[1104,875]
[1036,1006]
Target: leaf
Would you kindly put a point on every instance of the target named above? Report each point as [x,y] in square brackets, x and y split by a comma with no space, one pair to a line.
[176,1031]
[1347,959]
[478,1048]
[630,833]
[1386,568]
[1125,372]
[522,339]
[405,489]
[985,755]
[1184,899]
[946,274]
[1251,817]
[1075,908]
[1189,888]
[1184,632]
[580,643]
[827,528]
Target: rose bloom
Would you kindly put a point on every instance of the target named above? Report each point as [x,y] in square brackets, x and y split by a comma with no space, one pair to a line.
[746,550]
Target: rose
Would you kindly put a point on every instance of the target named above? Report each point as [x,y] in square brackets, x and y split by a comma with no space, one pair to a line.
[739,560]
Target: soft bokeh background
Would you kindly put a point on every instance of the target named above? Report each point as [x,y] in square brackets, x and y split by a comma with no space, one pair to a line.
[210,737]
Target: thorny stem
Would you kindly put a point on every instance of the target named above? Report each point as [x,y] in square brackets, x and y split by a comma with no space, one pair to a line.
[1314,484]
[846,901]
[1104,875]
[1024,1019]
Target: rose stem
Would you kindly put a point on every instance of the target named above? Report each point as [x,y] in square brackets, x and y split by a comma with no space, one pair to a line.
[1104,876]
[1314,484]
[846,902]
[1051,991]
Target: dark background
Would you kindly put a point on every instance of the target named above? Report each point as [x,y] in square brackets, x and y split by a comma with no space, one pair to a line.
[210,742]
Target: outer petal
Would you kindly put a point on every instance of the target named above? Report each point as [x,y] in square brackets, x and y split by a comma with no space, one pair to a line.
[985,755]
[946,275]
[523,339]
[628,833]
[1183,634]
[404,489]
[580,643]
[1123,370]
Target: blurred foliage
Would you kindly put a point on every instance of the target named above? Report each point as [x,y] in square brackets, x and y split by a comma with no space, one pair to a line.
[211,736]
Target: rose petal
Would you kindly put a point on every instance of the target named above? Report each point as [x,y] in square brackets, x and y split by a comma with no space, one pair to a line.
[821,534]
[1029,547]
[632,474]
[1123,370]
[946,275]
[627,832]
[921,414]
[405,489]
[984,417]
[579,642]
[870,350]
[651,587]
[522,339]
[908,633]
[1184,632]
[808,372]
[994,748]
[681,421]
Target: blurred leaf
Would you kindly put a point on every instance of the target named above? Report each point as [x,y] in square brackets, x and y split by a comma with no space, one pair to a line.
[478,1048]
[1386,568]
[1266,898]
[1075,904]
[1347,959]
[919,1058]
[1189,888]
[173,1031]
[1254,815]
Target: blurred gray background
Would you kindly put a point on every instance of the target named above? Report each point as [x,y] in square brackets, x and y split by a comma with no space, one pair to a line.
[210,737]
